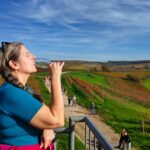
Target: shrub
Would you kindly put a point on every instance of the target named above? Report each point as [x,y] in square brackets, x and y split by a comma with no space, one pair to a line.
[105,68]
[132,78]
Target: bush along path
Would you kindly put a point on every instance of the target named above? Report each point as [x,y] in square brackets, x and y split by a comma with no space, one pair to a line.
[107,131]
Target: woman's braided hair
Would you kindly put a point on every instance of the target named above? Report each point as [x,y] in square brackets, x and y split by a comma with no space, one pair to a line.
[11,51]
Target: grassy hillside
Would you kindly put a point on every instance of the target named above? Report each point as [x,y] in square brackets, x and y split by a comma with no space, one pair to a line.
[120,102]
[139,74]
[146,83]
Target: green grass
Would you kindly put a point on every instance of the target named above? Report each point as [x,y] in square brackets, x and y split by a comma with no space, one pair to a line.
[146,83]
[89,77]
[63,140]
[118,114]
[84,99]
[43,89]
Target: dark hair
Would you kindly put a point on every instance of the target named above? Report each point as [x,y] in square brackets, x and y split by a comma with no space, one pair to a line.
[11,51]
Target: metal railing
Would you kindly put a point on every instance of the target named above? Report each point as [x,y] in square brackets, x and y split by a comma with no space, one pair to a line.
[96,142]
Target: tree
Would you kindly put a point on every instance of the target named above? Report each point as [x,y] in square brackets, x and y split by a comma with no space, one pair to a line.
[132,78]
[105,68]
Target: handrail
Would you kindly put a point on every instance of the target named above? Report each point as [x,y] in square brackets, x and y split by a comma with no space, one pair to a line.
[101,142]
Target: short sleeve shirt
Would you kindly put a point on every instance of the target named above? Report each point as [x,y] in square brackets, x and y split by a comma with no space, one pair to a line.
[17,108]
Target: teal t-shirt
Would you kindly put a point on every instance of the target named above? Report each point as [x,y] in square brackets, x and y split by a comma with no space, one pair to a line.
[17,108]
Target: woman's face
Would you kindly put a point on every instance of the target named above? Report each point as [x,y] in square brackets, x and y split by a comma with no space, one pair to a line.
[26,61]
[123,132]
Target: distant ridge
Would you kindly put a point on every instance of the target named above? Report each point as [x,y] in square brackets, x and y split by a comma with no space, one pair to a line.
[128,62]
[108,62]
[39,60]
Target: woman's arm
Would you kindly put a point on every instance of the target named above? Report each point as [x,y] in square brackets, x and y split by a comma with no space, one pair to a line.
[52,116]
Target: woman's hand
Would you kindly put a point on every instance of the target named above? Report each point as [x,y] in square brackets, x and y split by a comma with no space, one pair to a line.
[56,68]
[46,138]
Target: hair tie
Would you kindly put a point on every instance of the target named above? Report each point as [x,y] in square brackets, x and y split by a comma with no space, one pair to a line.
[4,45]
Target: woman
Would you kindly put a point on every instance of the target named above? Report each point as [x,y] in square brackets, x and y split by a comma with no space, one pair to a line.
[125,141]
[23,118]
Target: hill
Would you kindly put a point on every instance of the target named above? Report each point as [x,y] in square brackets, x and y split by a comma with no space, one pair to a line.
[121,102]
[99,66]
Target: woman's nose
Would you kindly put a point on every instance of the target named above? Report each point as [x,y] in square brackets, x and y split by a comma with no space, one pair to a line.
[33,56]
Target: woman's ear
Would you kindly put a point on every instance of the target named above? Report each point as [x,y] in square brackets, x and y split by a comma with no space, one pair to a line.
[13,64]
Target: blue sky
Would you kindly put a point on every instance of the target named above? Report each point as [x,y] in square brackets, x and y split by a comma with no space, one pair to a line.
[95,30]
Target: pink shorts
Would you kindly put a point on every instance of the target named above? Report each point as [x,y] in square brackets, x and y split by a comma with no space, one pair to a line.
[29,147]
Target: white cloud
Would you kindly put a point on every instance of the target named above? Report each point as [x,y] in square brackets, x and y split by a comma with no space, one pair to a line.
[15,3]
[75,24]
[117,13]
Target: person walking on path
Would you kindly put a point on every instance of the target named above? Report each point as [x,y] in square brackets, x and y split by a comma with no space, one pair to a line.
[92,109]
[69,100]
[74,101]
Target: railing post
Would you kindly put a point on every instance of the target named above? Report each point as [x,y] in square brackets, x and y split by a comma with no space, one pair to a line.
[94,143]
[71,134]
[101,143]
[85,139]
[89,139]
[100,146]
